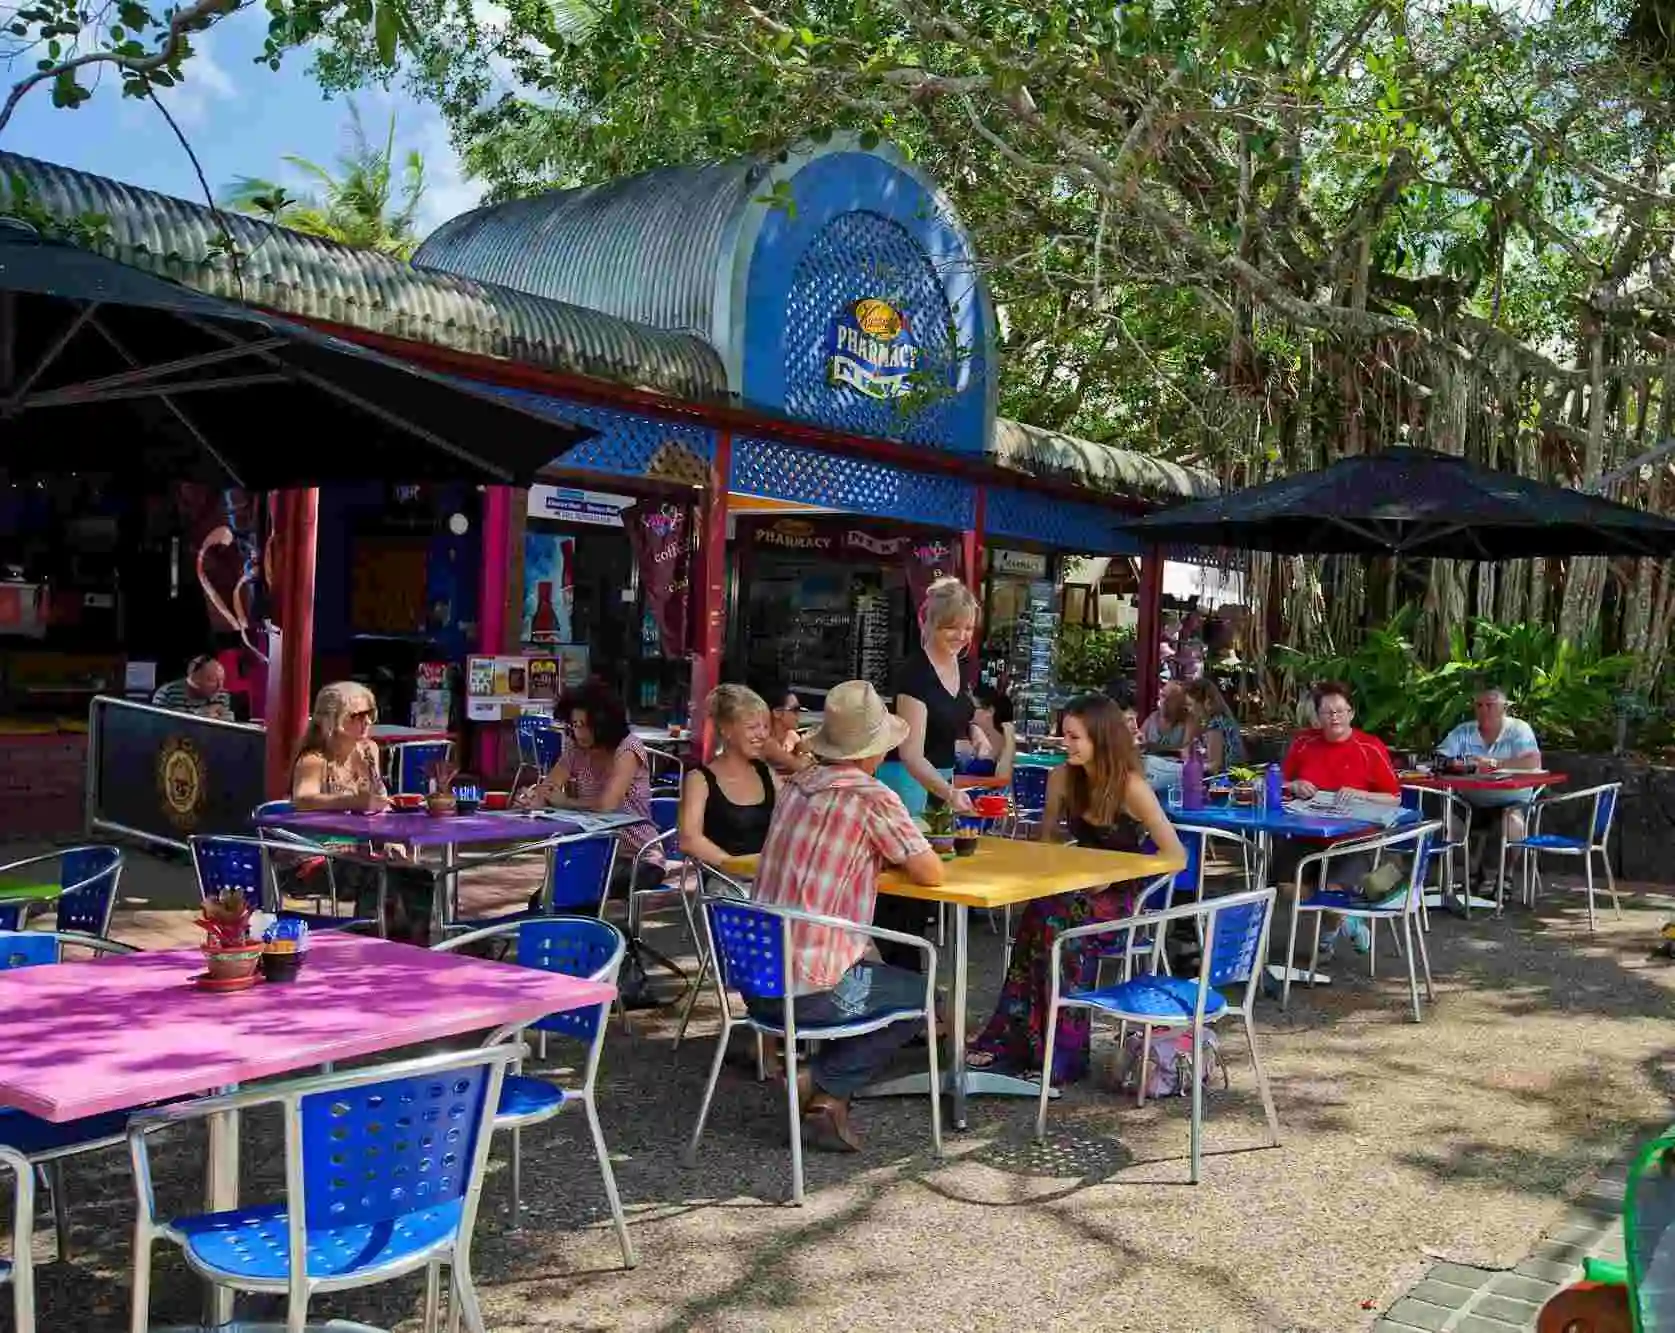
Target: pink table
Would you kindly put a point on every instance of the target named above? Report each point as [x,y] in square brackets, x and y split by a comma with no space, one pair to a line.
[121,1032]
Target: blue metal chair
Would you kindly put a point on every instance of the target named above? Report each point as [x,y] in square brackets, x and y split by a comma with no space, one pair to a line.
[751,943]
[666,771]
[1235,930]
[43,1144]
[1029,795]
[410,759]
[1401,905]
[576,881]
[1595,842]
[19,1270]
[575,946]
[383,1170]
[540,744]
[665,814]
[87,879]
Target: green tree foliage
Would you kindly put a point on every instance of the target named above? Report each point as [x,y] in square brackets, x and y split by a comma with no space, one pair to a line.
[357,205]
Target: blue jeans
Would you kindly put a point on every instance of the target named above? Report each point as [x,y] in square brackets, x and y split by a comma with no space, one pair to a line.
[843,1067]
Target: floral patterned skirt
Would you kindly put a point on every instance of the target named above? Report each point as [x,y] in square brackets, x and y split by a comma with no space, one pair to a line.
[1016,1036]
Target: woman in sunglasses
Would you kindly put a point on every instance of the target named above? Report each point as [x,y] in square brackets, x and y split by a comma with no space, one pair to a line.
[784,747]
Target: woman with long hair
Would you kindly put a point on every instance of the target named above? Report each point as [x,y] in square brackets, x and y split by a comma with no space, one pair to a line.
[337,768]
[1209,717]
[1098,798]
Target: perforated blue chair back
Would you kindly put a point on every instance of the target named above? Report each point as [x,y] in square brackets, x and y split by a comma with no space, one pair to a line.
[1413,798]
[89,877]
[1187,877]
[223,863]
[1605,806]
[575,947]
[580,872]
[1424,845]
[665,812]
[415,759]
[1029,786]
[378,1152]
[1235,937]
[540,742]
[26,948]
[751,946]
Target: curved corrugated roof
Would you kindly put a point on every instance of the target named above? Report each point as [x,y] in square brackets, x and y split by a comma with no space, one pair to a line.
[1099,467]
[648,248]
[303,275]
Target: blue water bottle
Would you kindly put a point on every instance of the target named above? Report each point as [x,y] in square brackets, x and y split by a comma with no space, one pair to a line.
[1273,787]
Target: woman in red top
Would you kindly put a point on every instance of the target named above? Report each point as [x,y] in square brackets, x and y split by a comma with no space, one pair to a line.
[1336,757]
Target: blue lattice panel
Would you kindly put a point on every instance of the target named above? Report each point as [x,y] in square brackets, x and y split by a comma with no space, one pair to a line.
[857,485]
[1079,529]
[829,280]
[628,444]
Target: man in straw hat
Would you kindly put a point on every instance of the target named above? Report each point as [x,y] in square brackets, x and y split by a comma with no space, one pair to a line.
[835,829]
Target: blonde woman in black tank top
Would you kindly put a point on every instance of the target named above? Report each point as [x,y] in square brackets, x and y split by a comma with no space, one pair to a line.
[727,804]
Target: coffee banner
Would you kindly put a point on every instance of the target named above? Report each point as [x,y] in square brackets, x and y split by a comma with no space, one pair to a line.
[662,537]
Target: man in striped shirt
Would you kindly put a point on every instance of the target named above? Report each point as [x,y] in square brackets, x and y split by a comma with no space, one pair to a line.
[202,691]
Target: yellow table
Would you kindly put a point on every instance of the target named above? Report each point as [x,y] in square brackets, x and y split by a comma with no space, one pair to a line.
[1003,873]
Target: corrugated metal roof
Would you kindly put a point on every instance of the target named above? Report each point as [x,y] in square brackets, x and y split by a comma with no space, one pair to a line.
[303,275]
[648,248]
[1100,467]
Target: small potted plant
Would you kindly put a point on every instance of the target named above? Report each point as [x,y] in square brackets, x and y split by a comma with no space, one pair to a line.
[1246,783]
[939,829]
[441,774]
[229,952]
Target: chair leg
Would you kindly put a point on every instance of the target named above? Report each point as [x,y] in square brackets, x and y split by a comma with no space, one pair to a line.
[60,1210]
[1395,934]
[934,1061]
[1197,1133]
[629,1258]
[1412,978]
[1500,880]
[1425,965]
[465,1303]
[139,1296]
[296,1316]
[691,1003]
[1314,951]
[517,1178]
[794,1112]
[690,1156]
[433,1296]
[1262,1088]
[1372,946]
[1047,1073]
[1286,967]
[1588,871]
[1610,882]
[1145,1059]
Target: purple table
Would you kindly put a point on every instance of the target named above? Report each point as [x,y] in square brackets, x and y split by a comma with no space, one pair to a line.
[122,1032]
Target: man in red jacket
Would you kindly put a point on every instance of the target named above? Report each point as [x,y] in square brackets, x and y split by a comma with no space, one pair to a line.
[1336,757]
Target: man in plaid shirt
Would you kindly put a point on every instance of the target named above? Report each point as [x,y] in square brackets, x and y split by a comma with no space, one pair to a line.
[835,829]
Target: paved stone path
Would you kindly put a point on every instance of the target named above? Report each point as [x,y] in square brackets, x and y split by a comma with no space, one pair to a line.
[1455,1298]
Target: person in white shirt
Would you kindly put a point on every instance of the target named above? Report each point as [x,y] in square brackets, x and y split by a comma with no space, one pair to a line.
[1499,743]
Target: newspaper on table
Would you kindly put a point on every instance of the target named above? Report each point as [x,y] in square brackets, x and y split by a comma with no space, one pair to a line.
[1346,805]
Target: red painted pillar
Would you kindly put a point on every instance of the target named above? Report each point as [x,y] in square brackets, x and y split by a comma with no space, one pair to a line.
[494,595]
[1150,629]
[709,586]
[290,675]
[971,558]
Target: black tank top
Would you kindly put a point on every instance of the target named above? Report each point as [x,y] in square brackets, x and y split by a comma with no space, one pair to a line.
[739,830]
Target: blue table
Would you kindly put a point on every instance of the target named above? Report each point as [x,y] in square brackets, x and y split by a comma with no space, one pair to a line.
[1264,824]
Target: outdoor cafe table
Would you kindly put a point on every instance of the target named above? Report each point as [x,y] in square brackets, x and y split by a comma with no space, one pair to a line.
[1002,872]
[447,833]
[124,1032]
[1529,780]
[1265,824]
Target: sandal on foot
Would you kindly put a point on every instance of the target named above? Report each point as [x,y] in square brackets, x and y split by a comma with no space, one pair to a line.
[824,1132]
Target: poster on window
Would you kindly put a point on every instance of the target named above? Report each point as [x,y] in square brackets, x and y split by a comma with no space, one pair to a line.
[549,588]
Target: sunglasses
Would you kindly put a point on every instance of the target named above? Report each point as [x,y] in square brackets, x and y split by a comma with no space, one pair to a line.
[364,715]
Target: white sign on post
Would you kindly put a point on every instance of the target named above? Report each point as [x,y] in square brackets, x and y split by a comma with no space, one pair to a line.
[569,505]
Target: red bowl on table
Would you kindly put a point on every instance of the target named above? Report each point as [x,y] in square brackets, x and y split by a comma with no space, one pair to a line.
[497,800]
[408,801]
[989,807]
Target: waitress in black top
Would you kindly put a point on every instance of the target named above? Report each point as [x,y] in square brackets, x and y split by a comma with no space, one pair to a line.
[727,804]
[931,696]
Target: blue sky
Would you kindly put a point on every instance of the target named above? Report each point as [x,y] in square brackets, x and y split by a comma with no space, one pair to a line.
[241,119]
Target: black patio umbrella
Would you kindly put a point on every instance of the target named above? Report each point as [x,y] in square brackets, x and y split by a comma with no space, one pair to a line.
[105,368]
[1412,502]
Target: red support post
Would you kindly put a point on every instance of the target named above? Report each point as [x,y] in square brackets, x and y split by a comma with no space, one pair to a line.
[971,558]
[1149,633]
[493,598]
[290,690]
[709,586]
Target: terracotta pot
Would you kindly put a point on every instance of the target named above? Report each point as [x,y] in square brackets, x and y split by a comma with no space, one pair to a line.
[440,806]
[232,964]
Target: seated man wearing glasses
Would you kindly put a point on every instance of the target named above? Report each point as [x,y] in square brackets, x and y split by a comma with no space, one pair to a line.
[1498,745]
[1334,756]
[835,829]
[201,691]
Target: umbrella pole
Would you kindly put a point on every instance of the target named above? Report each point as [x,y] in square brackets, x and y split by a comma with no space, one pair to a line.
[1149,632]
[296,518]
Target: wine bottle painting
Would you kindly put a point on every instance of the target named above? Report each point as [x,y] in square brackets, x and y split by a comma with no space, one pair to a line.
[549,590]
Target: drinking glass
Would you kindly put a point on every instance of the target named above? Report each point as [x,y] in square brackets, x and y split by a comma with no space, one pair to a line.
[1175,795]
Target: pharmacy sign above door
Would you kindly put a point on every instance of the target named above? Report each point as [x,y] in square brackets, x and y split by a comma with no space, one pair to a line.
[871,349]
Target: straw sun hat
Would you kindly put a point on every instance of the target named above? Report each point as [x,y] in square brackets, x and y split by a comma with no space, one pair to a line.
[856,724]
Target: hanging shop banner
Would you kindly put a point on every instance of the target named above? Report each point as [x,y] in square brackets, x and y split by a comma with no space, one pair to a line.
[1020,564]
[549,588]
[870,348]
[843,540]
[566,504]
[662,537]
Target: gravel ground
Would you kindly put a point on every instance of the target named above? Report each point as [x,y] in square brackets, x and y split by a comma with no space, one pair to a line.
[1457,1139]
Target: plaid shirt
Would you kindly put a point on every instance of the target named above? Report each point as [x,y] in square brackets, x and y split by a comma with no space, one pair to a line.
[834,831]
